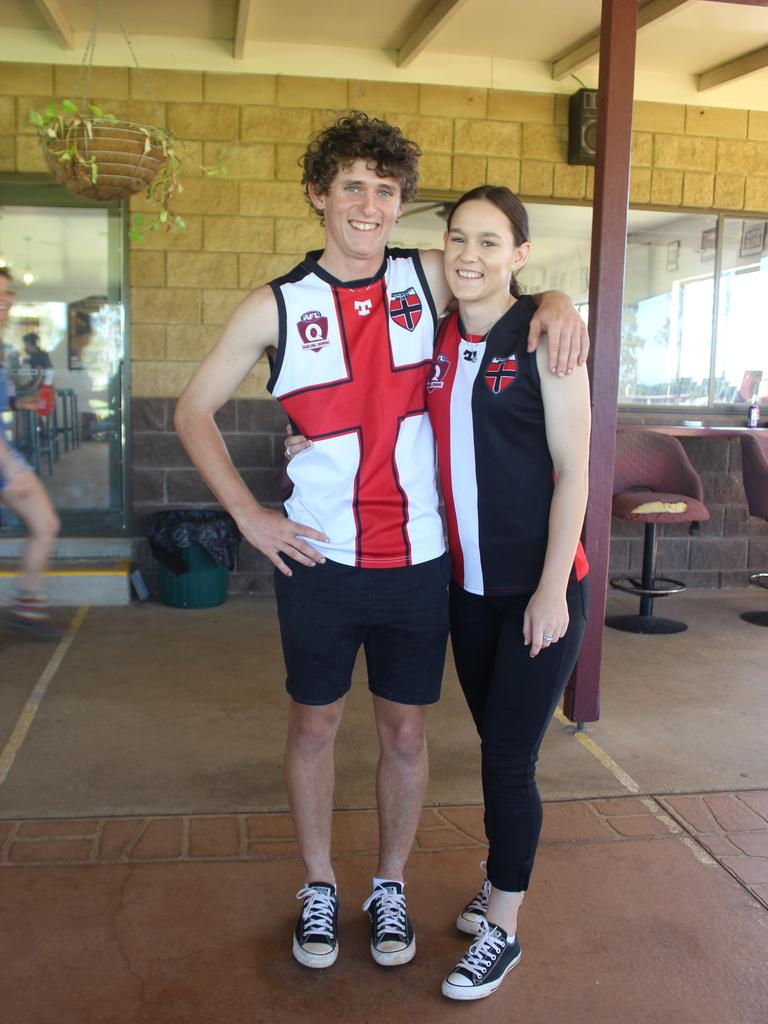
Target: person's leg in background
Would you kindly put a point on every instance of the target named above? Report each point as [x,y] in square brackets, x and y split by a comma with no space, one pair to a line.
[26,497]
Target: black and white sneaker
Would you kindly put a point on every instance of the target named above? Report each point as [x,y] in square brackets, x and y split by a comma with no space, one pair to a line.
[392,938]
[489,960]
[315,941]
[474,915]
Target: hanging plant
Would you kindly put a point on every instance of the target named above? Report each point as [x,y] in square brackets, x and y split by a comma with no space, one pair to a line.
[97,156]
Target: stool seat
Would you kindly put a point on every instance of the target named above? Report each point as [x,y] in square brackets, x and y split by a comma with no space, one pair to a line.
[627,505]
[654,482]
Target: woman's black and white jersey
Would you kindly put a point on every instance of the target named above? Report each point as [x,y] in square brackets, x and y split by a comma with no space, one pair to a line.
[484,401]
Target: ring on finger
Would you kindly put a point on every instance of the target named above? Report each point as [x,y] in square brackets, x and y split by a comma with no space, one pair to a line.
[547,639]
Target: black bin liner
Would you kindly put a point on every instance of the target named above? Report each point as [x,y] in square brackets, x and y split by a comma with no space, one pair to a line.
[169,532]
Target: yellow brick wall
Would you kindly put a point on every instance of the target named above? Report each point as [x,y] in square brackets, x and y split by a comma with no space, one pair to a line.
[254,225]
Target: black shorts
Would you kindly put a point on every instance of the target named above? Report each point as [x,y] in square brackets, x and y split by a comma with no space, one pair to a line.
[400,617]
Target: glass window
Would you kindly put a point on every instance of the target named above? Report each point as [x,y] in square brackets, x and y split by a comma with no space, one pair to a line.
[741,364]
[695,290]
[63,347]
[668,306]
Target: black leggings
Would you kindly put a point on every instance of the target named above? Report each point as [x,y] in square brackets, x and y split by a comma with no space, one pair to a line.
[512,698]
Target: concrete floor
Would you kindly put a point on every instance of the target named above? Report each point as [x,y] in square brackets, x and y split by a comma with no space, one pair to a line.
[147,865]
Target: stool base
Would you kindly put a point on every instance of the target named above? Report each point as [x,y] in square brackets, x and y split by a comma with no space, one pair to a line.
[652,624]
[756,618]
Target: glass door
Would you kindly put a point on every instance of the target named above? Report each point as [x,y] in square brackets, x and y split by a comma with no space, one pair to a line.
[64,342]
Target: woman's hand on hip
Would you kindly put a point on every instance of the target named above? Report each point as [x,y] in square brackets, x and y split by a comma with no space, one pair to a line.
[545,620]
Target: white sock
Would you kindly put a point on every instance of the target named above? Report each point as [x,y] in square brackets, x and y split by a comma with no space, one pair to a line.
[383,881]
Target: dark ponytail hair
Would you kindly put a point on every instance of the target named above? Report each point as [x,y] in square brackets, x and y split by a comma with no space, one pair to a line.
[5,272]
[503,199]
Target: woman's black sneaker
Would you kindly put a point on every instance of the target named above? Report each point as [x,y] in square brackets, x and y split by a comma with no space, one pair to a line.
[489,960]
[315,941]
[392,939]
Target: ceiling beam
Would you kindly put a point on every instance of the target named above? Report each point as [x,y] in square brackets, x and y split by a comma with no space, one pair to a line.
[584,52]
[58,21]
[747,64]
[436,19]
[246,16]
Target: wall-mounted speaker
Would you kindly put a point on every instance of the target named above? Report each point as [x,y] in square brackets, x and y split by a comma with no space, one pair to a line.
[582,127]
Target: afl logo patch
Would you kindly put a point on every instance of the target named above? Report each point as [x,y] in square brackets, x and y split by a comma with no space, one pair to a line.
[405,308]
[440,369]
[313,328]
[500,372]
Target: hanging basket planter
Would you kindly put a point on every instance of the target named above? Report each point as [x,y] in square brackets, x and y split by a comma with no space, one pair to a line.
[104,159]
[99,157]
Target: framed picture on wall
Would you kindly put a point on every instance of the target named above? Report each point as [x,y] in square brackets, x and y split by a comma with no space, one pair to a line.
[752,235]
[673,255]
[80,330]
[708,243]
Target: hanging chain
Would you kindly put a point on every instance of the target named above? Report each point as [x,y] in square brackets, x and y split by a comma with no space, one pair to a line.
[86,66]
[85,73]
[142,76]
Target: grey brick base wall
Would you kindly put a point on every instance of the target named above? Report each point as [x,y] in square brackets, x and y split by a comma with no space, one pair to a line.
[163,476]
[722,553]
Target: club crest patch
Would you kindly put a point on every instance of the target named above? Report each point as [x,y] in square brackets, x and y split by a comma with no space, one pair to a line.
[440,368]
[500,372]
[405,309]
[313,328]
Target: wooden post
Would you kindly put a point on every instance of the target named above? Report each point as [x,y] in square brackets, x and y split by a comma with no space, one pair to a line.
[606,288]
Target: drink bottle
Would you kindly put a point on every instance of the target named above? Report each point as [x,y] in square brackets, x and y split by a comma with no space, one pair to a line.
[753,415]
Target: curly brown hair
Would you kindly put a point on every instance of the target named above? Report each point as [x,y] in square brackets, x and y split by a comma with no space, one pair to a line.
[357,136]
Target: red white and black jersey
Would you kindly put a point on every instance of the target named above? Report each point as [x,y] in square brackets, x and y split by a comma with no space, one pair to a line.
[352,363]
[484,400]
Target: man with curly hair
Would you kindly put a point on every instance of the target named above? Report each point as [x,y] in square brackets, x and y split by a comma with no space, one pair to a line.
[359,556]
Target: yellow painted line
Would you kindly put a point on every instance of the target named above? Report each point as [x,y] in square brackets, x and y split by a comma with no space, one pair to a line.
[120,568]
[629,783]
[30,709]
[605,759]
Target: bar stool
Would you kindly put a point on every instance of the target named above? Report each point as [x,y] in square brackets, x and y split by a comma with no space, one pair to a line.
[654,482]
[70,429]
[754,469]
[34,439]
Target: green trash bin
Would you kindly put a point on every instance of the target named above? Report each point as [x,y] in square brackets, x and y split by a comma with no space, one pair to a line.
[195,550]
[203,584]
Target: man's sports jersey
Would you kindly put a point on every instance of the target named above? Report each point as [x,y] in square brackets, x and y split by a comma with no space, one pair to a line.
[352,363]
[484,400]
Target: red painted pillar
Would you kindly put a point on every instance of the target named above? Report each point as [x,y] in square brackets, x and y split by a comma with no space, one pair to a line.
[606,286]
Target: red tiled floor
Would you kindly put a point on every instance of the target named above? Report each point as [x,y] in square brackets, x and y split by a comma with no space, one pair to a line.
[208,942]
[751,870]
[640,825]
[618,807]
[214,837]
[468,819]
[116,836]
[566,822]
[269,826]
[693,811]
[54,829]
[732,814]
[49,851]
[442,839]
[758,802]
[731,828]
[161,838]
